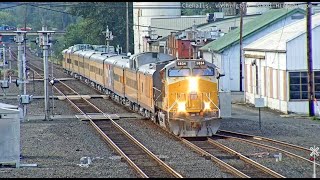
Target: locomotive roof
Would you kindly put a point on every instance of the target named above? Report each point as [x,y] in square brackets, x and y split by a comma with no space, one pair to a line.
[120,61]
[150,57]
[84,53]
[100,56]
[147,68]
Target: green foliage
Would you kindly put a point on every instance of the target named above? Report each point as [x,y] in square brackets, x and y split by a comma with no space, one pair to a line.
[6,18]
[96,17]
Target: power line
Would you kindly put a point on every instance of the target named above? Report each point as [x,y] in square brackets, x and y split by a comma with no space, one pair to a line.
[52,10]
[13,6]
[108,21]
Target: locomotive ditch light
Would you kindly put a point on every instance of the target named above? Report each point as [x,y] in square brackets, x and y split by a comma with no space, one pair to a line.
[181,106]
[206,105]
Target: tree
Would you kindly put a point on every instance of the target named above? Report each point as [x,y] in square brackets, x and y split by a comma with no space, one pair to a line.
[98,15]
[6,18]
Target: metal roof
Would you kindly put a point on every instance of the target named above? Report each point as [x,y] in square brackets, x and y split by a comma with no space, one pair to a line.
[277,40]
[250,28]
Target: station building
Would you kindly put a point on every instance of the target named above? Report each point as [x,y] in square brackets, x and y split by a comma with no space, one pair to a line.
[276,68]
[225,51]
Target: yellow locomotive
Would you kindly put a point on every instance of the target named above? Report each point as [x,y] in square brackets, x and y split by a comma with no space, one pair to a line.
[180,95]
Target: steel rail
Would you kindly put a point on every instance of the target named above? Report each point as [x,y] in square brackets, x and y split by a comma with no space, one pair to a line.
[206,154]
[214,159]
[267,139]
[245,159]
[173,172]
[267,147]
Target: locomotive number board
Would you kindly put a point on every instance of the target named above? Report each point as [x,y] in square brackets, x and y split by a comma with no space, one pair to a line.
[182,63]
[199,63]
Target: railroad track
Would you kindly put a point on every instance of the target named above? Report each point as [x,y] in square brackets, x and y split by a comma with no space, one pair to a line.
[144,162]
[290,150]
[139,157]
[229,159]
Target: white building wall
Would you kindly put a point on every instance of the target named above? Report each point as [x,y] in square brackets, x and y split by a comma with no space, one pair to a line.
[231,55]
[175,24]
[297,52]
[270,87]
[299,107]
[143,12]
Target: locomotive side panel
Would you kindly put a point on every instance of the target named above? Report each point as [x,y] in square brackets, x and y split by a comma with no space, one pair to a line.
[86,68]
[92,67]
[73,57]
[108,73]
[131,85]
[81,67]
[145,91]
[118,82]
[67,60]
[99,72]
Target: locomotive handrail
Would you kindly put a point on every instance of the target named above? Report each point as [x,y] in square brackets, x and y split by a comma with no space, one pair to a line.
[174,103]
[159,94]
[213,104]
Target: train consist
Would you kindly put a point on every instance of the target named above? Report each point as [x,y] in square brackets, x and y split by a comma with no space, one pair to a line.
[179,94]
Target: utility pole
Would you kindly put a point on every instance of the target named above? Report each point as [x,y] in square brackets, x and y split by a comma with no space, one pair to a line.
[309,60]
[24,58]
[127,4]
[4,62]
[23,99]
[44,43]
[241,26]
[10,57]
[4,83]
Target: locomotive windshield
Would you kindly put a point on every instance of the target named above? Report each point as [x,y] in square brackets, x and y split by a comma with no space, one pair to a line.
[203,72]
[179,72]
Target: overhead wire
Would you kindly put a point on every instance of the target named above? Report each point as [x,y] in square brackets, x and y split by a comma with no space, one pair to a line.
[13,6]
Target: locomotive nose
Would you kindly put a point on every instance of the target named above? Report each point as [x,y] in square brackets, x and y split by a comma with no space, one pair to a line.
[193,85]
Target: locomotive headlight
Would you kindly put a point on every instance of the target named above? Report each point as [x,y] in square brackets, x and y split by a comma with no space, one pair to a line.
[193,84]
[206,105]
[181,106]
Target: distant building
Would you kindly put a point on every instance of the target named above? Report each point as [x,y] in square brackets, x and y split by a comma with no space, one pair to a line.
[276,68]
[225,51]
[143,12]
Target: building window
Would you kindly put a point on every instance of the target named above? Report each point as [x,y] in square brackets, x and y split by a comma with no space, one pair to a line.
[298,82]
[317,84]
[257,80]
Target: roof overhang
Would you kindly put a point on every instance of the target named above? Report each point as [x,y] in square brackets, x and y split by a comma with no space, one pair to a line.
[265,50]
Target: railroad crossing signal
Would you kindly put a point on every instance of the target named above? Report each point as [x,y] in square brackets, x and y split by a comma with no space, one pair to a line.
[314,153]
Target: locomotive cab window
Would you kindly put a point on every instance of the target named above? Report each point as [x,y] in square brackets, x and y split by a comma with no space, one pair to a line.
[179,72]
[203,71]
